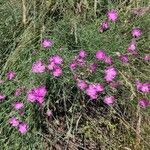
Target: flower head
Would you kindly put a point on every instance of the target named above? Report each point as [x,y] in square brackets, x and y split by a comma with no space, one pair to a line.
[2,97]
[57,72]
[23,127]
[100,55]
[109,100]
[93,67]
[14,121]
[82,85]
[38,67]
[147,57]
[132,47]
[56,59]
[124,58]
[104,26]
[143,87]
[112,15]
[144,103]
[82,54]
[18,105]
[108,60]
[136,32]
[47,43]
[10,75]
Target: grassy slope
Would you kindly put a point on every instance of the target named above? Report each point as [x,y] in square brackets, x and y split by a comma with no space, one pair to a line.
[77,122]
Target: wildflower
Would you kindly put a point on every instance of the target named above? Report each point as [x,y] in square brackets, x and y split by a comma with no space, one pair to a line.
[73,66]
[110,73]
[82,85]
[109,100]
[49,113]
[108,60]
[147,57]
[99,87]
[124,58]
[37,94]
[104,26]
[57,72]
[144,103]
[10,75]
[82,54]
[38,67]
[18,105]
[112,15]
[17,92]
[47,43]
[143,87]
[51,66]
[56,59]
[92,91]
[132,47]
[93,67]
[80,62]
[2,97]
[14,121]
[100,55]
[136,32]
[23,127]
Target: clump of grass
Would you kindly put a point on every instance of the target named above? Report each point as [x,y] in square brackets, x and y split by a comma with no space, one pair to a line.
[75,121]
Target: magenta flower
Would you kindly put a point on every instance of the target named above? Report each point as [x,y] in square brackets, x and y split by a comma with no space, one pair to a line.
[147,57]
[14,121]
[93,67]
[18,105]
[18,92]
[92,91]
[57,72]
[108,60]
[56,59]
[73,66]
[52,66]
[37,94]
[104,27]
[112,15]
[99,87]
[82,85]
[82,54]
[23,127]
[144,103]
[100,55]
[136,32]
[143,87]
[10,75]
[109,100]
[47,43]
[2,97]
[80,62]
[38,67]
[124,58]
[132,47]
[110,74]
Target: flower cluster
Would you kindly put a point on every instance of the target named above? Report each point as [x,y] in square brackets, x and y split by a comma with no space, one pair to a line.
[111,15]
[37,94]
[54,65]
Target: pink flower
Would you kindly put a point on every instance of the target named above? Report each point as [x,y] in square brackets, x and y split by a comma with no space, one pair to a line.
[143,103]
[2,97]
[93,67]
[49,113]
[52,66]
[100,55]
[110,73]
[38,67]
[18,105]
[143,87]
[80,62]
[17,92]
[132,47]
[57,72]
[82,85]
[124,58]
[10,75]
[104,27]
[82,54]
[46,43]
[112,15]
[23,127]
[109,100]
[73,66]
[92,91]
[147,57]
[56,59]
[136,32]
[37,94]
[14,121]
[108,60]
[99,87]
